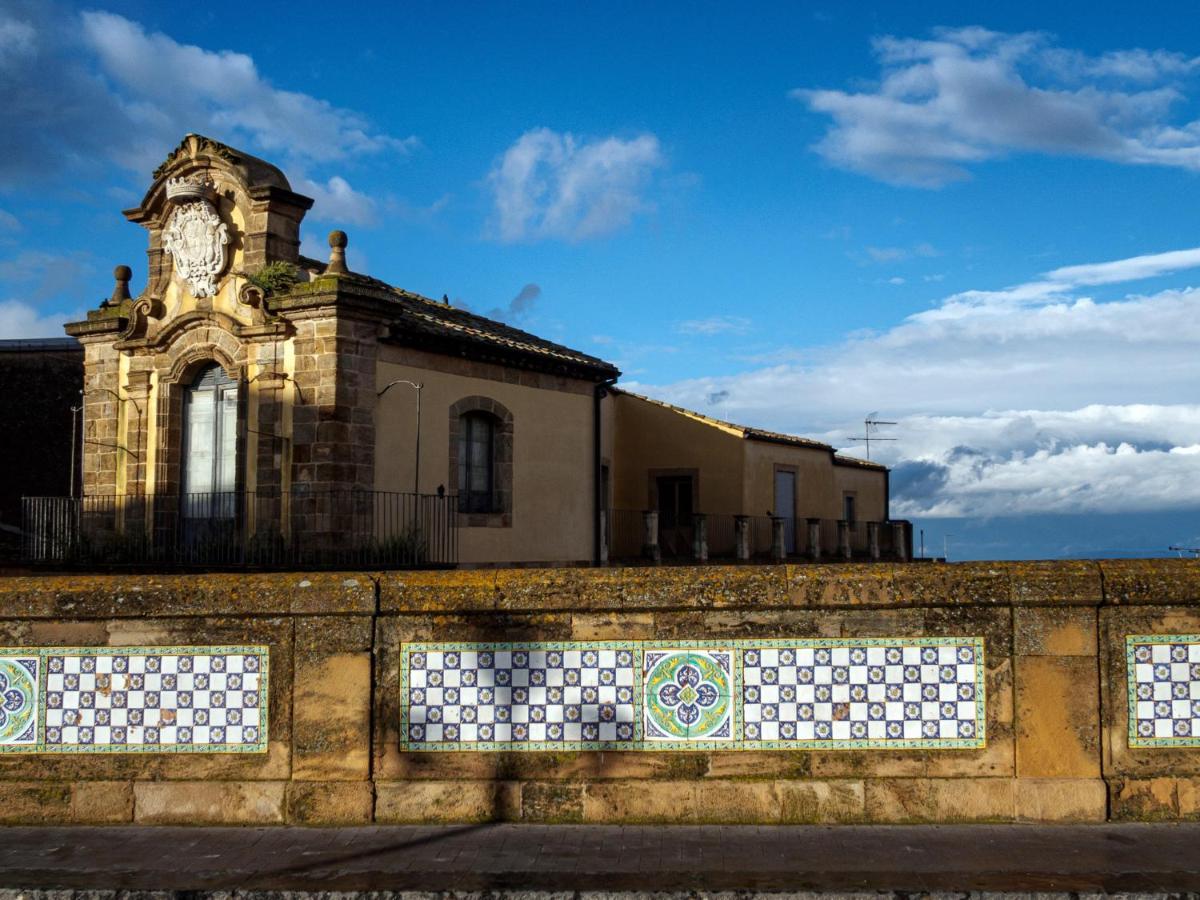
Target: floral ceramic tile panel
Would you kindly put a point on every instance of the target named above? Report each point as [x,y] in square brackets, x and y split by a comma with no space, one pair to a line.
[1164,690]
[18,701]
[135,699]
[686,695]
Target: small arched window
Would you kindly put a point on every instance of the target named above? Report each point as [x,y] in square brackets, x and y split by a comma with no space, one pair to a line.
[481,462]
[477,463]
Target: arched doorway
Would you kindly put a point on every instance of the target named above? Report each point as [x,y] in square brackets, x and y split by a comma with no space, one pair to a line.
[209,462]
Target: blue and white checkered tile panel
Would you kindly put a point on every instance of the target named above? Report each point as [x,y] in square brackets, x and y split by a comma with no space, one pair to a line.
[134,700]
[666,695]
[856,693]
[500,696]
[1164,690]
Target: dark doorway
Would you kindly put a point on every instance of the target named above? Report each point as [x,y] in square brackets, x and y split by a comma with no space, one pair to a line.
[675,508]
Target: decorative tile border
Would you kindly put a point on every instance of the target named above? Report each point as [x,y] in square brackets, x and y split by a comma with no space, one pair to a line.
[812,693]
[133,699]
[1164,689]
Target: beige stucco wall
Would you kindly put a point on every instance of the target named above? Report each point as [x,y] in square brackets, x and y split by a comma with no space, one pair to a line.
[552,504]
[870,490]
[650,437]
[816,492]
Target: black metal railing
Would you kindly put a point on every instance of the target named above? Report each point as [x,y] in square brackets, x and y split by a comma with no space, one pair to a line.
[677,539]
[268,529]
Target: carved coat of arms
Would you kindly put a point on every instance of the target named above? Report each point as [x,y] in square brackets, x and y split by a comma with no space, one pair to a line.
[196,238]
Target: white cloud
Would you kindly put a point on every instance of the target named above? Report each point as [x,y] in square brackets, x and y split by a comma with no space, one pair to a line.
[1099,458]
[1104,395]
[24,320]
[96,88]
[552,185]
[969,95]
[174,88]
[336,201]
[715,325]
[9,222]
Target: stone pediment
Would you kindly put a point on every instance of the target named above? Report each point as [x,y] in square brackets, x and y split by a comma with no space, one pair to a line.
[212,212]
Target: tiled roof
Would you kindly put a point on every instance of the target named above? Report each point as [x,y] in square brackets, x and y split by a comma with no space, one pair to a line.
[423,320]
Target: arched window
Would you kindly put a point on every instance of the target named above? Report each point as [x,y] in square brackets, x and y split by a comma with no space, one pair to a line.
[210,426]
[481,462]
[476,463]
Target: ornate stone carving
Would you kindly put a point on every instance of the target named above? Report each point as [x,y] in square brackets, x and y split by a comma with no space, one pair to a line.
[196,237]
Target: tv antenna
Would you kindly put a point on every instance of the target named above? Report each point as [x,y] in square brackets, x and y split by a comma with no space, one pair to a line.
[871,422]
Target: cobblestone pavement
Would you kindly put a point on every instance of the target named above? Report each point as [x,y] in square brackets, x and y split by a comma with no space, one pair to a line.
[1098,858]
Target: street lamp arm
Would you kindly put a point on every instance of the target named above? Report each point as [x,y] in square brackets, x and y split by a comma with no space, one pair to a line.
[388,387]
[417,443]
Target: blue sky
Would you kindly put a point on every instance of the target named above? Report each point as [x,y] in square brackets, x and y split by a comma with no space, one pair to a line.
[978,222]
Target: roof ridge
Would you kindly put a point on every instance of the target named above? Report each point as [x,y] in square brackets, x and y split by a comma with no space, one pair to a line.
[751,431]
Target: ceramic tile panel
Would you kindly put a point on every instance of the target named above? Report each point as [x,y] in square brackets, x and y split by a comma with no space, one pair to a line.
[1164,690]
[687,695]
[134,699]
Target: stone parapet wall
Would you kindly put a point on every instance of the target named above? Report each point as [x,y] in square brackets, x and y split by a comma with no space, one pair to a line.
[1058,746]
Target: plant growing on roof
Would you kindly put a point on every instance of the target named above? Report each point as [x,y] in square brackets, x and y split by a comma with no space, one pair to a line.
[274,278]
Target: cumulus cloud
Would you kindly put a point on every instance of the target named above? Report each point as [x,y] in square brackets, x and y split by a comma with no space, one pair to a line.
[968,95]
[1133,458]
[26,320]
[336,201]
[552,185]
[1035,397]
[96,86]
[715,325]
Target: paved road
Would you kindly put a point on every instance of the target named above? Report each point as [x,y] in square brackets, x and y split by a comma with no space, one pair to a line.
[663,858]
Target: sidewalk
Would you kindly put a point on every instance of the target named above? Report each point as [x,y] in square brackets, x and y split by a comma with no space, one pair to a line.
[608,858]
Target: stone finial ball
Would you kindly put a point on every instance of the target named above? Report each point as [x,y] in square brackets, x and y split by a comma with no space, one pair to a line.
[338,240]
[122,273]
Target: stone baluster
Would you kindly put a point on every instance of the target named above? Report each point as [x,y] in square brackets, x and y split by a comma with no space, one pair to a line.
[650,548]
[778,538]
[700,537]
[873,539]
[741,537]
[814,539]
[844,538]
[900,541]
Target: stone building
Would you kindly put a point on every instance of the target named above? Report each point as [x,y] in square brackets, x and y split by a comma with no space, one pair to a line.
[251,396]
[39,405]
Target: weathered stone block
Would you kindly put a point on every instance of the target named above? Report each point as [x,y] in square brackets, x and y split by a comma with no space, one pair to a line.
[34,803]
[802,802]
[611,626]
[1045,631]
[447,801]
[102,802]
[940,800]
[331,703]
[1144,799]
[643,801]
[1057,728]
[209,802]
[551,802]
[1056,582]
[737,801]
[1062,799]
[330,803]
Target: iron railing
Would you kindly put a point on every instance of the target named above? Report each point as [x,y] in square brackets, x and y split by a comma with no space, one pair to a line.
[269,529]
